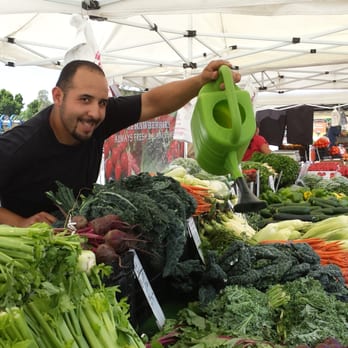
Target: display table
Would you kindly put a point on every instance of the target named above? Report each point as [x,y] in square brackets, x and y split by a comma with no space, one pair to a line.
[329,169]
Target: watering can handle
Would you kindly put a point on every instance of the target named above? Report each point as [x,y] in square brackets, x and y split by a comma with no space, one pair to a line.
[225,76]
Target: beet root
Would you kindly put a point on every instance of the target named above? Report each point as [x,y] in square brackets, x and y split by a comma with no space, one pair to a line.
[79,221]
[106,254]
[105,223]
[101,225]
[121,241]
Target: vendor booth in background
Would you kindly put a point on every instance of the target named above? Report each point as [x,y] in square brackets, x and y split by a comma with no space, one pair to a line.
[291,129]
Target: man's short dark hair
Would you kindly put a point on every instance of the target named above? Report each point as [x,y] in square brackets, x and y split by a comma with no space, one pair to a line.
[70,69]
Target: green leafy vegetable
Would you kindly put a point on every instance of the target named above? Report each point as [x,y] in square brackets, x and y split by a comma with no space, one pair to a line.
[47,301]
[289,167]
[296,313]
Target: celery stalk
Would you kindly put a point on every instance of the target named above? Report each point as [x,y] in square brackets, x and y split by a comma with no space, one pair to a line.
[88,331]
[37,229]
[18,320]
[47,333]
[106,337]
[8,260]
[73,324]
[14,244]
[64,333]
[13,326]
[18,254]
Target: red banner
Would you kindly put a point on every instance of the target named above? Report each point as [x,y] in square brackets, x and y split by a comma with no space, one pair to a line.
[144,147]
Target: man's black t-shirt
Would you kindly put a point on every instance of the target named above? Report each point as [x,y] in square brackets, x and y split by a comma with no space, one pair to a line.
[31,158]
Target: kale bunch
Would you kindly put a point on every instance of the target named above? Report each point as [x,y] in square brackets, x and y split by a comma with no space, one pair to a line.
[312,315]
[264,265]
[157,204]
[172,201]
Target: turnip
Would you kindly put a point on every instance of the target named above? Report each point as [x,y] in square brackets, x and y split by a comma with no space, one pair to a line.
[86,261]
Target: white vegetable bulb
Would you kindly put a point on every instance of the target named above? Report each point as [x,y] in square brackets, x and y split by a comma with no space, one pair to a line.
[86,261]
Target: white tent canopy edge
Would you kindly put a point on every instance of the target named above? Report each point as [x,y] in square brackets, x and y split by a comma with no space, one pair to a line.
[282,48]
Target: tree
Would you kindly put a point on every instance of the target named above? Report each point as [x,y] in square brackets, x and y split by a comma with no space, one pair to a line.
[10,105]
[36,105]
[31,110]
[43,99]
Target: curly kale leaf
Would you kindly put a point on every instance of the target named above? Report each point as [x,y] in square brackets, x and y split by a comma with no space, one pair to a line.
[241,312]
[185,276]
[312,314]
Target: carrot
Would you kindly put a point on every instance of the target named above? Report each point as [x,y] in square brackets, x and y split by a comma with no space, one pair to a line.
[201,195]
[334,245]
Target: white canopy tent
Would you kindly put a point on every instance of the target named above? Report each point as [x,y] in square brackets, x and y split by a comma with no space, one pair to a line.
[288,52]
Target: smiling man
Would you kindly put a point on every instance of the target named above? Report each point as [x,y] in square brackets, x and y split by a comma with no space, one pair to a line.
[64,142]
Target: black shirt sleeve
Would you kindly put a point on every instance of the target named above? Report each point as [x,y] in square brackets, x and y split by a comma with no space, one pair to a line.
[121,112]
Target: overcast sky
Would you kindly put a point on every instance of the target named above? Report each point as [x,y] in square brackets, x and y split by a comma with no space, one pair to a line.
[27,81]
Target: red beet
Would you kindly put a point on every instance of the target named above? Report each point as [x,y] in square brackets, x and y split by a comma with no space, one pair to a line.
[79,221]
[106,254]
[105,223]
[121,241]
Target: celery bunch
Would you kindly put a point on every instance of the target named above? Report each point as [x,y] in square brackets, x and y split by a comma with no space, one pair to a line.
[46,301]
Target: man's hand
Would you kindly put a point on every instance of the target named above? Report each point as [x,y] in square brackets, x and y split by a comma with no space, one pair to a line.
[8,217]
[211,71]
[39,217]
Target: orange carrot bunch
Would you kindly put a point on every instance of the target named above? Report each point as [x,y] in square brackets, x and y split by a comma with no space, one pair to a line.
[202,196]
[331,252]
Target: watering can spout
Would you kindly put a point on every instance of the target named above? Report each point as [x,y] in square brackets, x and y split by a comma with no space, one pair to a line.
[247,201]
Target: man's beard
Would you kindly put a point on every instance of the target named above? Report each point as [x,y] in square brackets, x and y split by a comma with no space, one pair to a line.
[73,132]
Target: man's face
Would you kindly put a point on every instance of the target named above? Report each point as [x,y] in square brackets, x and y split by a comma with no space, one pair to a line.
[82,107]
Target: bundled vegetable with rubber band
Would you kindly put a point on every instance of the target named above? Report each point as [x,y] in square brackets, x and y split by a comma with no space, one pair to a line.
[109,237]
[202,196]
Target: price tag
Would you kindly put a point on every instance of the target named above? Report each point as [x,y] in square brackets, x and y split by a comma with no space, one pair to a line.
[148,291]
[195,236]
[271,183]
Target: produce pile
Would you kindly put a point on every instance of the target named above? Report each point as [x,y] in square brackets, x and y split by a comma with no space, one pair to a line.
[314,200]
[337,168]
[322,143]
[327,238]
[275,294]
[291,313]
[254,289]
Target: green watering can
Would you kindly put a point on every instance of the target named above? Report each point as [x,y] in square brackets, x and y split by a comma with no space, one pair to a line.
[222,126]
